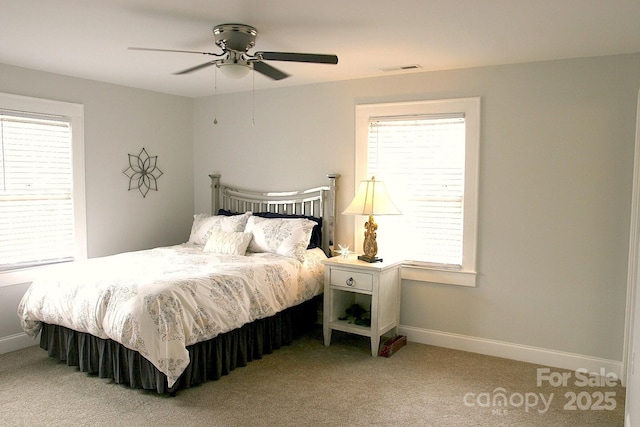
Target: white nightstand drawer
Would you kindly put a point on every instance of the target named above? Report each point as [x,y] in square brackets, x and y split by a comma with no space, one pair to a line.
[351,279]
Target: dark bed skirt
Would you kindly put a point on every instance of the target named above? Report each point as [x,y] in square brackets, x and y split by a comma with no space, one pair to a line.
[209,360]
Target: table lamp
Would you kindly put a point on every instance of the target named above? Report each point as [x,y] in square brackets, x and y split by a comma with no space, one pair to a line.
[371,199]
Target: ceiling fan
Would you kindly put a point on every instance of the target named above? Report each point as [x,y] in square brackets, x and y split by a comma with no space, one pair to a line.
[235,61]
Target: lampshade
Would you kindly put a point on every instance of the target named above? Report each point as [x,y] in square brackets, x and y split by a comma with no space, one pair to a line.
[234,69]
[371,199]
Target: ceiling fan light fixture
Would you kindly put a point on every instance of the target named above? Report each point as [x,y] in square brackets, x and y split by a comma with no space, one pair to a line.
[234,69]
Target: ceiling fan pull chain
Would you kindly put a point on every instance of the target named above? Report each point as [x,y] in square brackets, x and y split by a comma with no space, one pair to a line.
[215,95]
[253,98]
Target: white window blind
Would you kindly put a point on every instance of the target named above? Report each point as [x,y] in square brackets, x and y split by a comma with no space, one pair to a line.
[422,160]
[36,189]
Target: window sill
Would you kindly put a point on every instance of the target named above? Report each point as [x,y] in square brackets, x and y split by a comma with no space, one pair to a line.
[24,275]
[438,275]
[16,277]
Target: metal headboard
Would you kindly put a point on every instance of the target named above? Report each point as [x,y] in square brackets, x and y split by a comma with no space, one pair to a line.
[318,202]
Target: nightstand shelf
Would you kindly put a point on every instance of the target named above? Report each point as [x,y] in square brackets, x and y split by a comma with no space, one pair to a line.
[345,326]
[373,286]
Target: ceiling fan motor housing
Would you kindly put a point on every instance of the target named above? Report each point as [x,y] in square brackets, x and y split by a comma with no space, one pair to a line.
[235,37]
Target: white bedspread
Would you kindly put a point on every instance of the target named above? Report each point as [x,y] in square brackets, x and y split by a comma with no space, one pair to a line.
[159,301]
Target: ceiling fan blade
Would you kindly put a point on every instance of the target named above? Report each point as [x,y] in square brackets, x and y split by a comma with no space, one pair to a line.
[174,50]
[197,67]
[298,57]
[269,71]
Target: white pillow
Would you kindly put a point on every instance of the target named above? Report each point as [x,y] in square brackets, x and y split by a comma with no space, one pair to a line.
[203,223]
[284,236]
[228,242]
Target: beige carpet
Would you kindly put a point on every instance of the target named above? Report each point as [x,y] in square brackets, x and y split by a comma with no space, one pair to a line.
[309,384]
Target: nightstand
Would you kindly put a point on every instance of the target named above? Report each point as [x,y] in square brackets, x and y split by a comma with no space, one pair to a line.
[373,286]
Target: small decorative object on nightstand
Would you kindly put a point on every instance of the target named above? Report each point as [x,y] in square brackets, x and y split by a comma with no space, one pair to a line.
[374,286]
[344,251]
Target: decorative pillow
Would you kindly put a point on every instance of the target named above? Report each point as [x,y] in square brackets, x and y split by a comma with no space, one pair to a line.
[203,223]
[228,242]
[316,234]
[288,237]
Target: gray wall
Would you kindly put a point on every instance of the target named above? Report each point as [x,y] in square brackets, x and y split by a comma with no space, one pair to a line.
[556,164]
[118,121]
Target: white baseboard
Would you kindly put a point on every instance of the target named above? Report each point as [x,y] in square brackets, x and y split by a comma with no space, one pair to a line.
[16,342]
[523,353]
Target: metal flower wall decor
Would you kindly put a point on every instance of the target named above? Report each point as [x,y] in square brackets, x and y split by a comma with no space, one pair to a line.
[143,172]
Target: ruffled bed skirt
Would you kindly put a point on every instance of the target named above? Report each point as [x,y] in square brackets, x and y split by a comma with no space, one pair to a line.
[209,360]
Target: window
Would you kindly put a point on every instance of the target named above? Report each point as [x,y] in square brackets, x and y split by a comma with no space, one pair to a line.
[427,154]
[42,214]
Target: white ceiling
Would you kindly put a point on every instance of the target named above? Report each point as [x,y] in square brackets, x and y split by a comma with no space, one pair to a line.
[89,38]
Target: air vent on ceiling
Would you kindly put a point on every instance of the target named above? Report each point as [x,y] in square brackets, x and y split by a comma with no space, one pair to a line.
[402,68]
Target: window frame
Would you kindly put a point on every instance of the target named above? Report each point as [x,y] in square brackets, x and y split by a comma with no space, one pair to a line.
[75,114]
[470,107]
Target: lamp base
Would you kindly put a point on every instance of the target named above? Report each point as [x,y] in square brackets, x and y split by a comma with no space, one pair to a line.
[369,259]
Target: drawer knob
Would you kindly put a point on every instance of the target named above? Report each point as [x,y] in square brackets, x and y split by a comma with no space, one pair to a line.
[349,281]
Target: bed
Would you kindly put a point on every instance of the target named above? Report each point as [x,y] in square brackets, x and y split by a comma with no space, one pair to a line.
[245,283]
